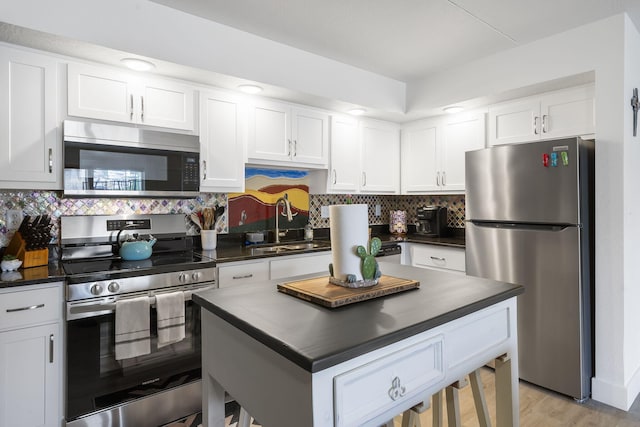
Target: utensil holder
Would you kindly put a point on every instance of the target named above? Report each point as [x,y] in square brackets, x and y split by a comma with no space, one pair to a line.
[209,239]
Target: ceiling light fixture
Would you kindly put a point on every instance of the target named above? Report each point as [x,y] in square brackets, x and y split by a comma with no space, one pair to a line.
[453,109]
[357,111]
[138,64]
[250,88]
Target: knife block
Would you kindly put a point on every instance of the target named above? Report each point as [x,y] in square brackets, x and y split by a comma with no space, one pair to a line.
[17,247]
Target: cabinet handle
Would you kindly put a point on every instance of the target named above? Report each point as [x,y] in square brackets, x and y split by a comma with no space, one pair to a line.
[295,147]
[335,176]
[364,179]
[50,160]
[51,348]
[535,125]
[204,170]
[289,152]
[438,179]
[444,178]
[245,276]
[30,307]
[142,108]
[544,123]
[131,107]
[436,258]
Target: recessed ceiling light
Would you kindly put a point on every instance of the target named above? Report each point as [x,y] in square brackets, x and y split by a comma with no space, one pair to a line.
[453,109]
[357,111]
[138,64]
[250,88]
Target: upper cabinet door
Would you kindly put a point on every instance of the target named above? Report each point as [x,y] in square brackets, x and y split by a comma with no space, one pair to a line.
[269,131]
[222,142]
[28,121]
[344,173]
[462,133]
[570,112]
[97,93]
[166,104]
[310,133]
[106,94]
[514,122]
[380,154]
[419,164]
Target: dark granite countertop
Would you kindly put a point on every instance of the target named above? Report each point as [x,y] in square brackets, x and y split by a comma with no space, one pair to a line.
[315,337]
[52,272]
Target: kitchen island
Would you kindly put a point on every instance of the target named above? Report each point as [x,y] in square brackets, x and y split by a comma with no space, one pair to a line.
[290,362]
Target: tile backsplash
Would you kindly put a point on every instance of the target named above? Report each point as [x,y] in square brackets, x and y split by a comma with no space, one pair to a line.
[35,203]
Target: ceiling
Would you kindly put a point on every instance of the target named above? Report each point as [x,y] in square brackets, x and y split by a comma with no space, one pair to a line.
[405,39]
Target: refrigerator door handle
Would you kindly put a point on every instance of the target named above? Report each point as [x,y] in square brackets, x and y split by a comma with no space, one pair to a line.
[522,226]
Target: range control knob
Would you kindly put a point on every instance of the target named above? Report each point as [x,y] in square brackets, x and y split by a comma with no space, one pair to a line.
[183,277]
[196,276]
[113,287]
[96,289]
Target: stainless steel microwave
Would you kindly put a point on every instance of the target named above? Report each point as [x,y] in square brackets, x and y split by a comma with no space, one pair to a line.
[104,160]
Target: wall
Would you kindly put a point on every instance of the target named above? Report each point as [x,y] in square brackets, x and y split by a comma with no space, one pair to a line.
[599,47]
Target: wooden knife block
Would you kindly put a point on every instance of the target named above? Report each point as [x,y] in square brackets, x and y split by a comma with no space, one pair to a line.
[17,247]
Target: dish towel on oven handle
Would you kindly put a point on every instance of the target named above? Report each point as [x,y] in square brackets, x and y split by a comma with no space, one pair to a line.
[170,313]
[133,337]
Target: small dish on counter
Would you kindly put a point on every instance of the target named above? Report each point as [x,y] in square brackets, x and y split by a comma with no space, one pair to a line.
[10,264]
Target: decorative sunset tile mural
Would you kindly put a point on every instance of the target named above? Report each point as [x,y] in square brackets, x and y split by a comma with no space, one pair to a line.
[254,210]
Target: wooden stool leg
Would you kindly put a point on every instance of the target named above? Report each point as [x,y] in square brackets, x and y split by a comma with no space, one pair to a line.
[479,400]
[436,409]
[410,418]
[388,424]
[453,406]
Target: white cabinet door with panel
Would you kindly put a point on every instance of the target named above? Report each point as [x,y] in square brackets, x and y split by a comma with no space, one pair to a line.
[301,265]
[344,172]
[242,272]
[558,114]
[380,157]
[29,140]
[281,134]
[30,356]
[433,152]
[109,94]
[222,142]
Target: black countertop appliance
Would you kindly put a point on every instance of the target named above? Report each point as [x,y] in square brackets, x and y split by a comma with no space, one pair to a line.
[432,221]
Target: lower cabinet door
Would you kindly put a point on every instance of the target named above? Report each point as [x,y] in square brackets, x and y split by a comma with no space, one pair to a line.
[29,381]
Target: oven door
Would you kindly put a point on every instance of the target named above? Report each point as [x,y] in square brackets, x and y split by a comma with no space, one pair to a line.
[97,381]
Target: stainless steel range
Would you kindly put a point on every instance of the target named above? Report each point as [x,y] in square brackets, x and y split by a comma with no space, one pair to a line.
[149,389]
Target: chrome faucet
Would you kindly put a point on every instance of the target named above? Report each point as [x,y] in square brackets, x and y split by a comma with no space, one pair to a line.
[285,211]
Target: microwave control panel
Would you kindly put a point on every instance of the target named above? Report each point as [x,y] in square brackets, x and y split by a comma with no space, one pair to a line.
[190,172]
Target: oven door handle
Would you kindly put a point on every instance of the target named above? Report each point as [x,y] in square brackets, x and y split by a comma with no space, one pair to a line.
[83,310]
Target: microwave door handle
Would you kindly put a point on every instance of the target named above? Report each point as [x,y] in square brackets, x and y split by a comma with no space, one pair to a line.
[142,108]
[131,107]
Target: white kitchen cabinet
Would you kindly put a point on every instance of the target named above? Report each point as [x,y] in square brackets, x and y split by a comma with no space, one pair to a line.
[31,356]
[344,176]
[437,257]
[558,114]
[242,272]
[109,94]
[282,134]
[222,142]
[30,141]
[380,157]
[433,152]
[300,265]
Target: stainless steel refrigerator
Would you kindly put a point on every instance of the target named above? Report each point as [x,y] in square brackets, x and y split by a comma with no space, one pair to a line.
[529,220]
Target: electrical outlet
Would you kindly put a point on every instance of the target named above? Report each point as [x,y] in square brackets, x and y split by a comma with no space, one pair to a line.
[324,211]
[14,218]
[378,213]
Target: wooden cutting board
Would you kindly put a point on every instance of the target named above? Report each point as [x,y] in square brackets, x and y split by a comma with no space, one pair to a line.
[318,290]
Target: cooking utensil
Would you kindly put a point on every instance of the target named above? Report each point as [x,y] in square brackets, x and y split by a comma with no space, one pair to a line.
[208,218]
[196,220]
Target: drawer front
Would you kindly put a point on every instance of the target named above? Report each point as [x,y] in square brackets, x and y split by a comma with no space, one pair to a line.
[298,266]
[231,275]
[368,391]
[23,308]
[442,257]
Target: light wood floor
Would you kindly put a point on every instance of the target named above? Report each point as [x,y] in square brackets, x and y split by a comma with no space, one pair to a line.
[541,408]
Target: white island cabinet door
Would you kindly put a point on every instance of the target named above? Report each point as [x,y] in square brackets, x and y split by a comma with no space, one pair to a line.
[222,142]
[29,136]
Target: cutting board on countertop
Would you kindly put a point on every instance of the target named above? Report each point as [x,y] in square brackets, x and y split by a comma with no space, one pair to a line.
[318,290]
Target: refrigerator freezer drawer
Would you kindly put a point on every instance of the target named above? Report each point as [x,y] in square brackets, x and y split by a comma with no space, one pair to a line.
[553,330]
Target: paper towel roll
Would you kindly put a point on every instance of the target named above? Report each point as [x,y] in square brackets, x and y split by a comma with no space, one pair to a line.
[349,226]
